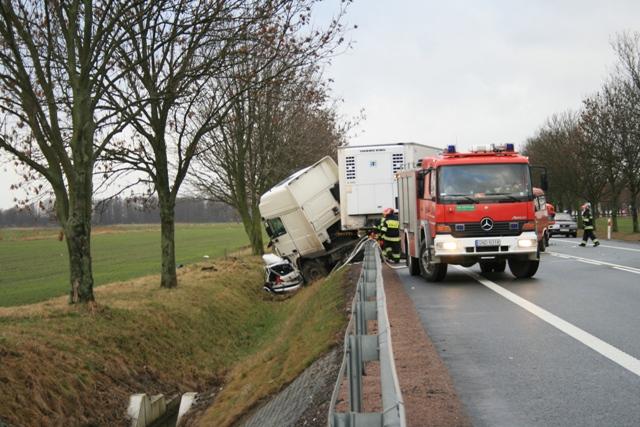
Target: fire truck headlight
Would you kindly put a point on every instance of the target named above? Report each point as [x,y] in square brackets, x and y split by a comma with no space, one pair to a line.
[447,246]
[526,243]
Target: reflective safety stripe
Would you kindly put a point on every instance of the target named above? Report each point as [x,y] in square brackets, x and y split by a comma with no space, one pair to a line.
[588,227]
[393,223]
[391,239]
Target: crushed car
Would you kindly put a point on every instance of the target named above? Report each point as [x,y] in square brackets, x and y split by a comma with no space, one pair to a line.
[280,275]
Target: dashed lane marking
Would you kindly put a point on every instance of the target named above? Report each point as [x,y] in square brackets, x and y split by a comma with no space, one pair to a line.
[597,262]
[600,246]
[607,350]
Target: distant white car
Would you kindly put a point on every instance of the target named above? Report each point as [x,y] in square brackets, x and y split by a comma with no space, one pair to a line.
[564,225]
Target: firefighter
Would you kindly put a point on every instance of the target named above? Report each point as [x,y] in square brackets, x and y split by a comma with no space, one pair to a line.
[389,235]
[587,220]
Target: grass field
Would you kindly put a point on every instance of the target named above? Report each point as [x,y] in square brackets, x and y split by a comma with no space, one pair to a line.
[218,330]
[34,264]
[625,224]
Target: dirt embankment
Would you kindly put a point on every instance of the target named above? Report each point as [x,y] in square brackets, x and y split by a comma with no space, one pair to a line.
[427,389]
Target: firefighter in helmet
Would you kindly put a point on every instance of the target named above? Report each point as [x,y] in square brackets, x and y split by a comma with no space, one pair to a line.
[587,220]
[389,235]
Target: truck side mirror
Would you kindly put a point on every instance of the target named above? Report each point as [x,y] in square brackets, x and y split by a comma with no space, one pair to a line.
[420,182]
[420,185]
[544,183]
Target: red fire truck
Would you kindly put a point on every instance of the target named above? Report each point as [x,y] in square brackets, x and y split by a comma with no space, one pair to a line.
[463,208]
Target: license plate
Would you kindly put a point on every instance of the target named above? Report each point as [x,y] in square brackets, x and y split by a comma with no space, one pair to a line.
[488,242]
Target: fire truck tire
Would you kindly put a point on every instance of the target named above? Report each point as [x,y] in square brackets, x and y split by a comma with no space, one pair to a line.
[412,262]
[429,271]
[523,269]
[313,270]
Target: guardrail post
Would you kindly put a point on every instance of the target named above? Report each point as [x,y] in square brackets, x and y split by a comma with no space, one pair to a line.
[355,374]
[360,347]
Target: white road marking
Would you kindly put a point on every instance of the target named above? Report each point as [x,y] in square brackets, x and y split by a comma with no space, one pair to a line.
[597,262]
[600,246]
[589,262]
[607,350]
[627,270]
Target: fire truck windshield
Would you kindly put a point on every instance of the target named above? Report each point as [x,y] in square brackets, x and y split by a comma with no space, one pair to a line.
[498,182]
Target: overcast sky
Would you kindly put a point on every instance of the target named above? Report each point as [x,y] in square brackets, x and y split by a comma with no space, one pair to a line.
[467,72]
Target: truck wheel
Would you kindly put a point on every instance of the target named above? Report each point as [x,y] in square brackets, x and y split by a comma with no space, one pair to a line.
[429,271]
[523,269]
[313,270]
[412,262]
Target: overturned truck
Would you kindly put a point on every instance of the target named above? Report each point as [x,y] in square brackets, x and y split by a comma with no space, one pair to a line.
[302,218]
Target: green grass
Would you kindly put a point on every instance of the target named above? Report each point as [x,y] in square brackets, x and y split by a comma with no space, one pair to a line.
[625,224]
[70,365]
[34,264]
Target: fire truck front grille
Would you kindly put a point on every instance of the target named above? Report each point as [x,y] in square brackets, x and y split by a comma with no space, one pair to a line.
[473,229]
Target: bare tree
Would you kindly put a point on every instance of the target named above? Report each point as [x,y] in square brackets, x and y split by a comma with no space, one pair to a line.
[555,147]
[627,47]
[55,66]
[605,132]
[180,92]
[272,130]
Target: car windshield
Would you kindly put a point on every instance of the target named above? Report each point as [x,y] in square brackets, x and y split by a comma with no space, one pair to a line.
[488,182]
[563,217]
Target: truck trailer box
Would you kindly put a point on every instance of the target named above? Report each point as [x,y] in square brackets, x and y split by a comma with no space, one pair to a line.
[299,211]
[367,183]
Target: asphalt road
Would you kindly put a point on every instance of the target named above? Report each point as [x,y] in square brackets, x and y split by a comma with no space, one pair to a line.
[560,349]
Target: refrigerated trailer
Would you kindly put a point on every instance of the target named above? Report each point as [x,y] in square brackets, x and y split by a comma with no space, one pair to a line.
[367,183]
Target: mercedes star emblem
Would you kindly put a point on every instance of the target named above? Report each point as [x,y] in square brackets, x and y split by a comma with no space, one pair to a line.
[486,224]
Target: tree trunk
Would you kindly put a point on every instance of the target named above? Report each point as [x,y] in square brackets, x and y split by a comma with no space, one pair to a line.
[168,278]
[253,228]
[257,244]
[634,215]
[78,237]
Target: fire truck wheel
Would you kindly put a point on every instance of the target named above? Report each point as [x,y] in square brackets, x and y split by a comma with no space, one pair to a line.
[412,262]
[313,270]
[429,271]
[541,246]
[523,269]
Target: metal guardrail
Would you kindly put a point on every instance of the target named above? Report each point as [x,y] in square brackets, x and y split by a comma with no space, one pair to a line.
[359,347]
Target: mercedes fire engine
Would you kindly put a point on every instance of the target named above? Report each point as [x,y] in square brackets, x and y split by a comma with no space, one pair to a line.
[463,208]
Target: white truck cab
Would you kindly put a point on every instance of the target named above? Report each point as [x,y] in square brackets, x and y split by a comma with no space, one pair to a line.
[301,214]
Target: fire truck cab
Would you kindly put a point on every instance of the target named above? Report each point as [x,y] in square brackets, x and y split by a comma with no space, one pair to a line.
[463,208]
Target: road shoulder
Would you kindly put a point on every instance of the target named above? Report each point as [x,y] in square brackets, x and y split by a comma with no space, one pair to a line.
[427,389]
